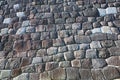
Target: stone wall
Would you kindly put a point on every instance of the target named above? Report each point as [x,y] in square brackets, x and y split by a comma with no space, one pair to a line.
[60,40]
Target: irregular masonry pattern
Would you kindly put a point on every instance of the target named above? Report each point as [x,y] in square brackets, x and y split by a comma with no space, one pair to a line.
[59,39]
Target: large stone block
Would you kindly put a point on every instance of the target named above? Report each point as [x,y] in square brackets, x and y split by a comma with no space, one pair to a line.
[114,51]
[91,53]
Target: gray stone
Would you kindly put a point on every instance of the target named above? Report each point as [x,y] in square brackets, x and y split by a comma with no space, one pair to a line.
[103,53]
[95,44]
[72,74]
[7,21]
[87,25]
[45,35]
[96,24]
[63,34]
[117,43]
[91,12]
[110,72]
[112,36]
[97,74]
[64,64]
[35,36]
[40,28]
[76,26]
[58,42]
[60,21]
[82,39]
[41,52]
[23,76]
[47,58]
[91,53]
[26,23]
[68,56]
[4,31]
[117,23]
[20,14]
[37,60]
[111,10]
[98,63]
[5,74]
[30,29]
[108,43]
[58,57]
[85,74]
[84,46]
[51,65]
[106,29]
[16,6]
[96,30]
[113,60]
[58,74]
[21,30]
[45,76]
[62,49]
[102,12]
[80,54]
[114,51]
[52,50]
[69,40]
[76,63]
[73,47]
[86,63]
[98,36]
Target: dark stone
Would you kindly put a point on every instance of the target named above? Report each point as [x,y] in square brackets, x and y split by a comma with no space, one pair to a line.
[86,25]
[82,39]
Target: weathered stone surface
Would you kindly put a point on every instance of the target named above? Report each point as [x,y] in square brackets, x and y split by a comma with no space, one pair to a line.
[16,6]
[114,51]
[58,74]
[97,74]
[82,39]
[80,54]
[45,35]
[110,72]
[102,12]
[63,34]
[111,10]
[91,53]
[37,60]
[114,60]
[35,36]
[117,43]
[36,44]
[72,74]
[21,30]
[64,64]
[30,29]
[84,46]
[117,23]
[26,23]
[23,76]
[98,37]
[58,57]
[85,74]
[76,63]
[91,12]
[33,76]
[95,44]
[25,61]
[62,49]
[44,76]
[103,53]
[58,42]
[69,40]
[52,50]
[86,63]
[7,21]
[68,55]
[5,74]
[96,30]
[47,43]
[41,52]
[73,47]
[20,14]
[98,63]
[107,43]
[76,26]
[87,25]
[4,31]
[51,66]
[47,58]
[106,29]
[112,36]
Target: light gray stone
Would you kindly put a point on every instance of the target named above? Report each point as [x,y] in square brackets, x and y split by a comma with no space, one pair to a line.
[16,6]
[7,21]
[4,31]
[98,63]
[111,10]
[64,64]
[84,46]
[91,53]
[5,74]
[102,12]
[20,14]
[21,30]
[96,30]
[73,47]
[30,29]
[95,44]
[106,29]
[37,60]
[76,63]
[23,76]
[62,49]
[25,23]
[76,26]
[52,50]
[80,54]
[68,56]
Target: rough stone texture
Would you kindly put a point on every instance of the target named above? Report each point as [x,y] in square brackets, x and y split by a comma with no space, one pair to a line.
[59,39]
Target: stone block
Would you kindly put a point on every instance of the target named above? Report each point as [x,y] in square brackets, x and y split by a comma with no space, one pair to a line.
[44,76]
[45,35]
[50,27]
[25,23]
[46,43]
[116,23]
[21,30]
[64,64]
[35,36]
[63,34]
[95,44]
[91,53]
[30,29]
[62,49]
[7,21]
[86,25]
[107,43]
[84,46]
[80,54]
[52,50]
[36,44]
[47,58]
[20,14]
[73,47]
[98,63]
[41,52]
[4,31]
[68,56]
[33,76]
[96,30]
[82,39]
[111,10]
[40,28]
[85,74]
[37,60]
[69,40]
[117,43]
[76,63]
[114,51]
[23,76]
[51,65]
[106,29]
[5,74]
[72,74]
[110,72]
[58,42]
[58,57]
[86,63]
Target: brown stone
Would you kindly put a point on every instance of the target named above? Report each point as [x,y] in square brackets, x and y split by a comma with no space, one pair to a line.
[47,43]
[16,72]
[86,63]
[25,61]
[69,40]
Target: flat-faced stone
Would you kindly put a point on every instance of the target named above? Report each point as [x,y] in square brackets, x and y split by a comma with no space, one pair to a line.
[76,63]
[85,74]
[102,12]
[58,42]
[58,57]
[98,63]
[20,14]
[91,53]
[46,43]
[26,23]
[96,30]
[73,47]
[117,23]
[51,66]
[110,72]
[76,26]
[87,25]
[117,43]
[97,74]
[82,39]
[72,73]
[21,30]
[35,36]
[47,58]
[62,49]
[37,60]
[80,54]
[86,63]
[41,52]
[23,76]
[52,50]
[106,29]
[33,76]
[68,56]
[16,6]
[84,46]
[69,40]
[114,51]
[5,74]
[63,34]
[111,10]
[107,43]
[7,21]
[95,44]
[44,76]
[4,31]
[40,28]
[64,64]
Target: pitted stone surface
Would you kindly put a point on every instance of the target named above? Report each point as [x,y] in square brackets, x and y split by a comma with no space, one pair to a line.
[59,39]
